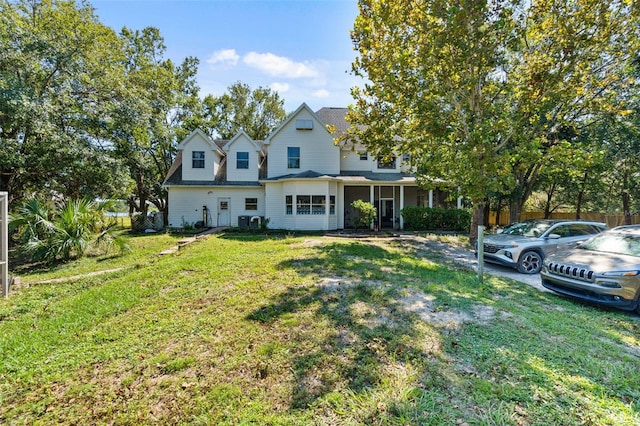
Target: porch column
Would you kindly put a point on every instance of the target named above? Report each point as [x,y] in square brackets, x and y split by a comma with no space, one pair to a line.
[401,207]
[327,206]
[431,198]
[459,200]
[372,196]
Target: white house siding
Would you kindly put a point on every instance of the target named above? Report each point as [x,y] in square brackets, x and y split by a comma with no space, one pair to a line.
[276,193]
[186,203]
[274,208]
[211,160]
[317,151]
[350,162]
[242,144]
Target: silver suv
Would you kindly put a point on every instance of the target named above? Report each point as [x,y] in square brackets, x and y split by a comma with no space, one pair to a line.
[524,245]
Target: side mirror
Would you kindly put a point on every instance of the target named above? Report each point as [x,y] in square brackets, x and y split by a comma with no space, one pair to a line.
[554,236]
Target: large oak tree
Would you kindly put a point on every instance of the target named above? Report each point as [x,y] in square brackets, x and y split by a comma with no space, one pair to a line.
[479,92]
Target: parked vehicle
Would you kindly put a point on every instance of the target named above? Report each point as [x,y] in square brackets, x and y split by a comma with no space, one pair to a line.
[605,269]
[524,245]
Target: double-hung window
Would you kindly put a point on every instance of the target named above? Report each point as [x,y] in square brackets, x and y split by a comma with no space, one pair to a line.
[251,204]
[293,157]
[242,160]
[386,162]
[307,204]
[303,204]
[288,202]
[197,159]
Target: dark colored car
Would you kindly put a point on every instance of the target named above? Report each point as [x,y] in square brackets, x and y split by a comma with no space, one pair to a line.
[604,269]
[524,245]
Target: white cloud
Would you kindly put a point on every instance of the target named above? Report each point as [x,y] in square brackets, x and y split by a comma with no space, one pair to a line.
[322,93]
[279,66]
[226,57]
[279,87]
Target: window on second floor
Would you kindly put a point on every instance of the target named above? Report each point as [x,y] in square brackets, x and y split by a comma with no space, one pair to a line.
[242,160]
[364,156]
[197,159]
[386,162]
[293,157]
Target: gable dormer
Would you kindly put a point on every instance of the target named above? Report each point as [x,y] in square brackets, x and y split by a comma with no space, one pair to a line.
[302,143]
[201,157]
[244,158]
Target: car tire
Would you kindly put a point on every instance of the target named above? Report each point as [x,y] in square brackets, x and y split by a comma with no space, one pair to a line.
[530,262]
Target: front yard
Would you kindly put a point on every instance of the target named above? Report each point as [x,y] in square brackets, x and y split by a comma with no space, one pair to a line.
[239,329]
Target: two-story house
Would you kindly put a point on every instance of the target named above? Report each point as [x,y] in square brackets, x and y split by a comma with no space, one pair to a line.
[297,178]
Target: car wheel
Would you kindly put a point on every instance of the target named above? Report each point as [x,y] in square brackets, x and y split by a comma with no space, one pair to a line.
[530,262]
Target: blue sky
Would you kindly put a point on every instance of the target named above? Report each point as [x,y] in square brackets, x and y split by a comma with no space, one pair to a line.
[299,48]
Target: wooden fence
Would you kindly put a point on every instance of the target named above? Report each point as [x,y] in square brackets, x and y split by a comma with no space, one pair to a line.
[611,219]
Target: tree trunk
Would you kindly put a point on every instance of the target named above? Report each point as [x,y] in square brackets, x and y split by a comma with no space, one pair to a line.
[476,219]
[514,211]
[626,198]
[581,197]
[547,206]
[485,214]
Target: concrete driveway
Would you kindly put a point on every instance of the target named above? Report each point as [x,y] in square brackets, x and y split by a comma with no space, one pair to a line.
[466,257]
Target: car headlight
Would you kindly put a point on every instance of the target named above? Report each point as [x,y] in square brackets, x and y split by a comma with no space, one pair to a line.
[621,274]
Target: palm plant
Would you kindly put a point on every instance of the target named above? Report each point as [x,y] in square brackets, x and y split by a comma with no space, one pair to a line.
[67,231]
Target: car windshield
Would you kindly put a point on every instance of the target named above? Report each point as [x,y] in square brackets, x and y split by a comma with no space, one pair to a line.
[614,243]
[526,229]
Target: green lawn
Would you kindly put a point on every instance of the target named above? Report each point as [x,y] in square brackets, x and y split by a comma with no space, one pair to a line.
[239,329]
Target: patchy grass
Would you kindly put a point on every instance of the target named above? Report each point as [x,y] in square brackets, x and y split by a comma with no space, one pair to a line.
[242,329]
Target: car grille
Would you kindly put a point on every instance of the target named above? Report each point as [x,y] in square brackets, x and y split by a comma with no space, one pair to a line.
[570,271]
[490,248]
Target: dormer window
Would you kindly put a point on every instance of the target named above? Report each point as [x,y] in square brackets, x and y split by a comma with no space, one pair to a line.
[386,162]
[242,160]
[197,159]
[304,124]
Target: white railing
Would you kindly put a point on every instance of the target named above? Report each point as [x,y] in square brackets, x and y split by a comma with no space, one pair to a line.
[4,243]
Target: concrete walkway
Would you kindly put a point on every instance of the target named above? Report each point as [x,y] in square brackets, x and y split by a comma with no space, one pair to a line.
[193,239]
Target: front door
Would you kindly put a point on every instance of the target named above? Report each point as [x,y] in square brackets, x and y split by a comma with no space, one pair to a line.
[386,213]
[224,217]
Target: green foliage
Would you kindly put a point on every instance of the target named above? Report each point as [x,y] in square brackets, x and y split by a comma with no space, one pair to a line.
[258,112]
[417,218]
[366,214]
[65,231]
[59,71]
[480,92]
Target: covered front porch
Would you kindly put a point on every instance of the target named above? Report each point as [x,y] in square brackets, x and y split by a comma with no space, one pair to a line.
[389,200]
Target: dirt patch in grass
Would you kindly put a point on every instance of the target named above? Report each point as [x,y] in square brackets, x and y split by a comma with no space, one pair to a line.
[412,301]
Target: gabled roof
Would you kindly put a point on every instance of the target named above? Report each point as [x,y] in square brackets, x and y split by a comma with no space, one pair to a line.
[197,132]
[291,117]
[238,135]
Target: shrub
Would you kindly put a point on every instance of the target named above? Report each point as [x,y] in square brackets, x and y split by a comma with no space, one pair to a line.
[366,212]
[64,231]
[417,218]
